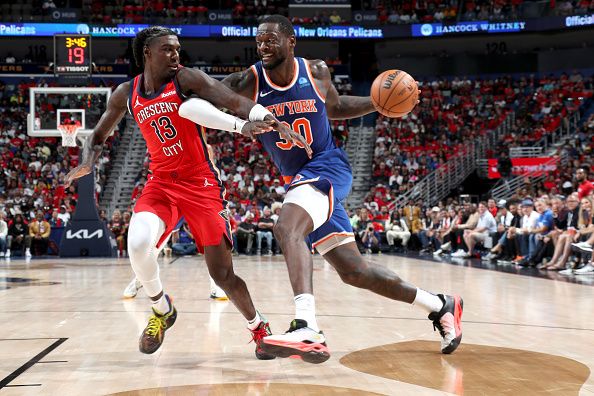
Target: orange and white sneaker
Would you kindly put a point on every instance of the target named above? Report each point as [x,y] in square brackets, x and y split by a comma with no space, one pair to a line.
[299,341]
[448,322]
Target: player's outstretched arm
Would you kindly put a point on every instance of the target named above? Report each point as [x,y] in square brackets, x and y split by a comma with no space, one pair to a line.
[339,107]
[193,81]
[116,108]
[204,113]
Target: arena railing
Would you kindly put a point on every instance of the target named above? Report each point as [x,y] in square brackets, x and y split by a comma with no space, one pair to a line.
[541,147]
[439,183]
[504,189]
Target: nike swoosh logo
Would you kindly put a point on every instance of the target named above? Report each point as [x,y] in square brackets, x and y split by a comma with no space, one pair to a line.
[262,94]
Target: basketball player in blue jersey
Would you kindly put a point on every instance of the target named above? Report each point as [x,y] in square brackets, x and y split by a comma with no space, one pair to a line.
[299,92]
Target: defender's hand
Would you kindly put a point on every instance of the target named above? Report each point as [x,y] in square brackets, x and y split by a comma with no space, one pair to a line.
[253,128]
[291,136]
[77,173]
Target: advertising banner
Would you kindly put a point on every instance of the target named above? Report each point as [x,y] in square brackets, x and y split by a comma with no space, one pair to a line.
[536,166]
[314,32]
[328,3]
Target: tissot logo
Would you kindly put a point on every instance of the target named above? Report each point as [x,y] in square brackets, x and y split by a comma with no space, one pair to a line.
[84,234]
[166,94]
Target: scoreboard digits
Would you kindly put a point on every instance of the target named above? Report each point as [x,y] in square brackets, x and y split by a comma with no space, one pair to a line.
[72,54]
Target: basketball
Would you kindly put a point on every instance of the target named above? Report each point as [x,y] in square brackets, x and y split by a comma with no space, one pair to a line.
[394,93]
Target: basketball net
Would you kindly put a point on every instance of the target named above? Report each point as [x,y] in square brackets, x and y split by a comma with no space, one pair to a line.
[69,133]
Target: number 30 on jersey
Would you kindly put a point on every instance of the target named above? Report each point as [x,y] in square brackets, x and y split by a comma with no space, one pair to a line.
[302,126]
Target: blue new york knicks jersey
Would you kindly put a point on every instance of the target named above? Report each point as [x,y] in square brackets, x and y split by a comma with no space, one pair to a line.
[301,105]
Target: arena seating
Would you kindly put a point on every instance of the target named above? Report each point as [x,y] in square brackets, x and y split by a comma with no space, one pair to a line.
[249,11]
[406,149]
[34,168]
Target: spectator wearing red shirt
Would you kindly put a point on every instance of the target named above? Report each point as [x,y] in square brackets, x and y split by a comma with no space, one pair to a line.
[586,187]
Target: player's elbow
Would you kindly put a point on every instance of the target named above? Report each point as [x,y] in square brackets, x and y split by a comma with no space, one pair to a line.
[185,110]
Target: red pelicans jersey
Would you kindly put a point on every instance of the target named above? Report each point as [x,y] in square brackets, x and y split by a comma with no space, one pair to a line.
[175,144]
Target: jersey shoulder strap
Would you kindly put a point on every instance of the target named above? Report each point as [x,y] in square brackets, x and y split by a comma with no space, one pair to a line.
[131,96]
[307,74]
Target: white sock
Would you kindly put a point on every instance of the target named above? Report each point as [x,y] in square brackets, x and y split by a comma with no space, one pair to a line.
[429,302]
[254,323]
[161,305]
[305,308]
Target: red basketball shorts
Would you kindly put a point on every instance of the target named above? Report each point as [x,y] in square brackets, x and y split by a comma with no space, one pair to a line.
[199,198]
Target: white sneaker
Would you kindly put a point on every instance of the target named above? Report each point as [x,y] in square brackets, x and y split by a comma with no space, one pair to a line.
[132,289]
[583,246]
[446,246]
[438,252]
[586,269]
[459,253]
[490,256]
[7,253]
[566,272]
[216,293]
[28,254]
[299,340]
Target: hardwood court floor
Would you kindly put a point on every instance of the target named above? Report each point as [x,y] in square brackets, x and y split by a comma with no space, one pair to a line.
[65,330]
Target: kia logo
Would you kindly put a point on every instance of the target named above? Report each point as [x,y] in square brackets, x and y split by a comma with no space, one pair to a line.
[84,234]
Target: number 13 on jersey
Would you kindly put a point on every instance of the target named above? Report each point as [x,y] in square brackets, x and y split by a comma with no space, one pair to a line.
[302,126]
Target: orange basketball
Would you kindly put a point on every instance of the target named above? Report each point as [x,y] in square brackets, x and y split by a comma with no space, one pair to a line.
[394,93]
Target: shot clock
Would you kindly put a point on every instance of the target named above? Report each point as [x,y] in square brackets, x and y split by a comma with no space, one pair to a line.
[72,54]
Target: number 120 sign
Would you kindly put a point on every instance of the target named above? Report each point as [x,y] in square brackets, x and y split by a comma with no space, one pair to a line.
[72,54]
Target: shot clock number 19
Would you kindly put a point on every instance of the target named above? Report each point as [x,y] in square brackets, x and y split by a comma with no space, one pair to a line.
[72,54]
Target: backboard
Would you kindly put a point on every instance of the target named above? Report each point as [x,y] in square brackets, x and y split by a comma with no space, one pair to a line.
[53,106]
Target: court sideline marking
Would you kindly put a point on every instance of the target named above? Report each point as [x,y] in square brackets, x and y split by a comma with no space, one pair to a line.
[14,375]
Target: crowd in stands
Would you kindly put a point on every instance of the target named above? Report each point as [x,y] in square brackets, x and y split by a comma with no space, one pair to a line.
[249,12]
[544,224]
[451,113]
[454,112]
[32,178]
[245,12]
[553,232]
[435,11]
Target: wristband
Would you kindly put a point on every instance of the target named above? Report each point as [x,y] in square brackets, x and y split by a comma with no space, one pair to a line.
[258,113]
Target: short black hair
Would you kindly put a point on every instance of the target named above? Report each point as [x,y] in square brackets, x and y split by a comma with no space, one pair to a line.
[144,37]
[284,25]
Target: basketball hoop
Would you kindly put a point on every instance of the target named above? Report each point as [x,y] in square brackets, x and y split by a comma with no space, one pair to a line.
[69,133]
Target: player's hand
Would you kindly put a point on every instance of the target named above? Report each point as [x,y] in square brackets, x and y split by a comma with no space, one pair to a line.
[253,128]
[77,173]
[291,136]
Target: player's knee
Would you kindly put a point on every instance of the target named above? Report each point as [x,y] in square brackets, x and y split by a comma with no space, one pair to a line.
[221,276]
[139,243]
[281,232]
[354,277]
[356,272]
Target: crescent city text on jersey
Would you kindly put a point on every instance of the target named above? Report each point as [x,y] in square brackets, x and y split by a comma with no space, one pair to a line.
[157,108]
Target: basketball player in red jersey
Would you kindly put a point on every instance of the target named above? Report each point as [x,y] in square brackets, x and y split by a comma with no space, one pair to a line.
[316,186]
[184,180]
